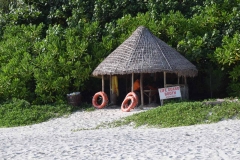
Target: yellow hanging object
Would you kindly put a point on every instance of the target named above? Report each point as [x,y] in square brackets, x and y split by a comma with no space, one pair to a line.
[112,87]
[115,85]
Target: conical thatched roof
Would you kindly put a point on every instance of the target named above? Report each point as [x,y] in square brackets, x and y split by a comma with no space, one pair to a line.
[143,52]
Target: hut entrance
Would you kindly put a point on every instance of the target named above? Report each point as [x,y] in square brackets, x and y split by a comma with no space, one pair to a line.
[118,86]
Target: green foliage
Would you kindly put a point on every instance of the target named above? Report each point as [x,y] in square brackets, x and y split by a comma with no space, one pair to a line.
[227,110]
[107,10]
[82,11]
[4,5]
[182,114]
[200,39]
[90,109]
[229,56]
[49,48]
[118,32]
[157,7]
[172,115]
[20,112]
[63,63]
[229,53]
[16,61]
[50,81]
[20,12]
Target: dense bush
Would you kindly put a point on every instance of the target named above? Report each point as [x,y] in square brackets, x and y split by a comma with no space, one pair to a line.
[17,61]
[18,112]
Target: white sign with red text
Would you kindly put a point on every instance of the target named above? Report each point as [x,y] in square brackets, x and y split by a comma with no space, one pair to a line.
[169,92]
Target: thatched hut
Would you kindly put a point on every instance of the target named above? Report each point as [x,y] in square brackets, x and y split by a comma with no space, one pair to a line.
[144,53]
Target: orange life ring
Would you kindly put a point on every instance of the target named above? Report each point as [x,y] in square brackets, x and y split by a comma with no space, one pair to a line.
[135,98]
[104,100]
[125,107]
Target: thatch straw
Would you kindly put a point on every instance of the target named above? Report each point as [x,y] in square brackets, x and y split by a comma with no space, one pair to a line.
[143,52]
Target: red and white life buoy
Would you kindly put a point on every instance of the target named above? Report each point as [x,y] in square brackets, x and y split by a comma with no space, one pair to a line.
[135,98]
[125,107]
[104,100]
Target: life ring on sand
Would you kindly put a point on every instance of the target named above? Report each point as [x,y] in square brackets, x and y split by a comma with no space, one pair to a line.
[104,100]
[125,107]
[135,99]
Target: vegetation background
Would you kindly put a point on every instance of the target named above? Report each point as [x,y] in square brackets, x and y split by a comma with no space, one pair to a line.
[50,48]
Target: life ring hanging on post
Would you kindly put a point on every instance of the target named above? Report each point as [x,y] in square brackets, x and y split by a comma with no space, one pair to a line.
[104,100]
[125,107]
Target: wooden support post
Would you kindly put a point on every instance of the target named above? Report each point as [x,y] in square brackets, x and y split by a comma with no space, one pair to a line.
[165,82]
[110,81]
[178,78]
[185,94]
[164,76]
[132,81]
[141,89]
[102,83]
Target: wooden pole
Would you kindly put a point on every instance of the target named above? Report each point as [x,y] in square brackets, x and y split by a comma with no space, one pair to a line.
[185,88]
[102,83]
[164,76]
[141,89]
[110,81]
[178,78]
[132,81]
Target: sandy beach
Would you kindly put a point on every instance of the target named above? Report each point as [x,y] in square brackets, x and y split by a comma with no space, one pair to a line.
[63,138]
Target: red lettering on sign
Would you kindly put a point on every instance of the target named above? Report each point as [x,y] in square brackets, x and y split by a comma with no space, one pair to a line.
[161,90]
[170,93]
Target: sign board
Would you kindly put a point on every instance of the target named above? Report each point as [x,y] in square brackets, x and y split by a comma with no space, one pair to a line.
[169,92]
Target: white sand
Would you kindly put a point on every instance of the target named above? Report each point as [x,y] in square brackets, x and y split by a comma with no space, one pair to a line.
[56,139]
